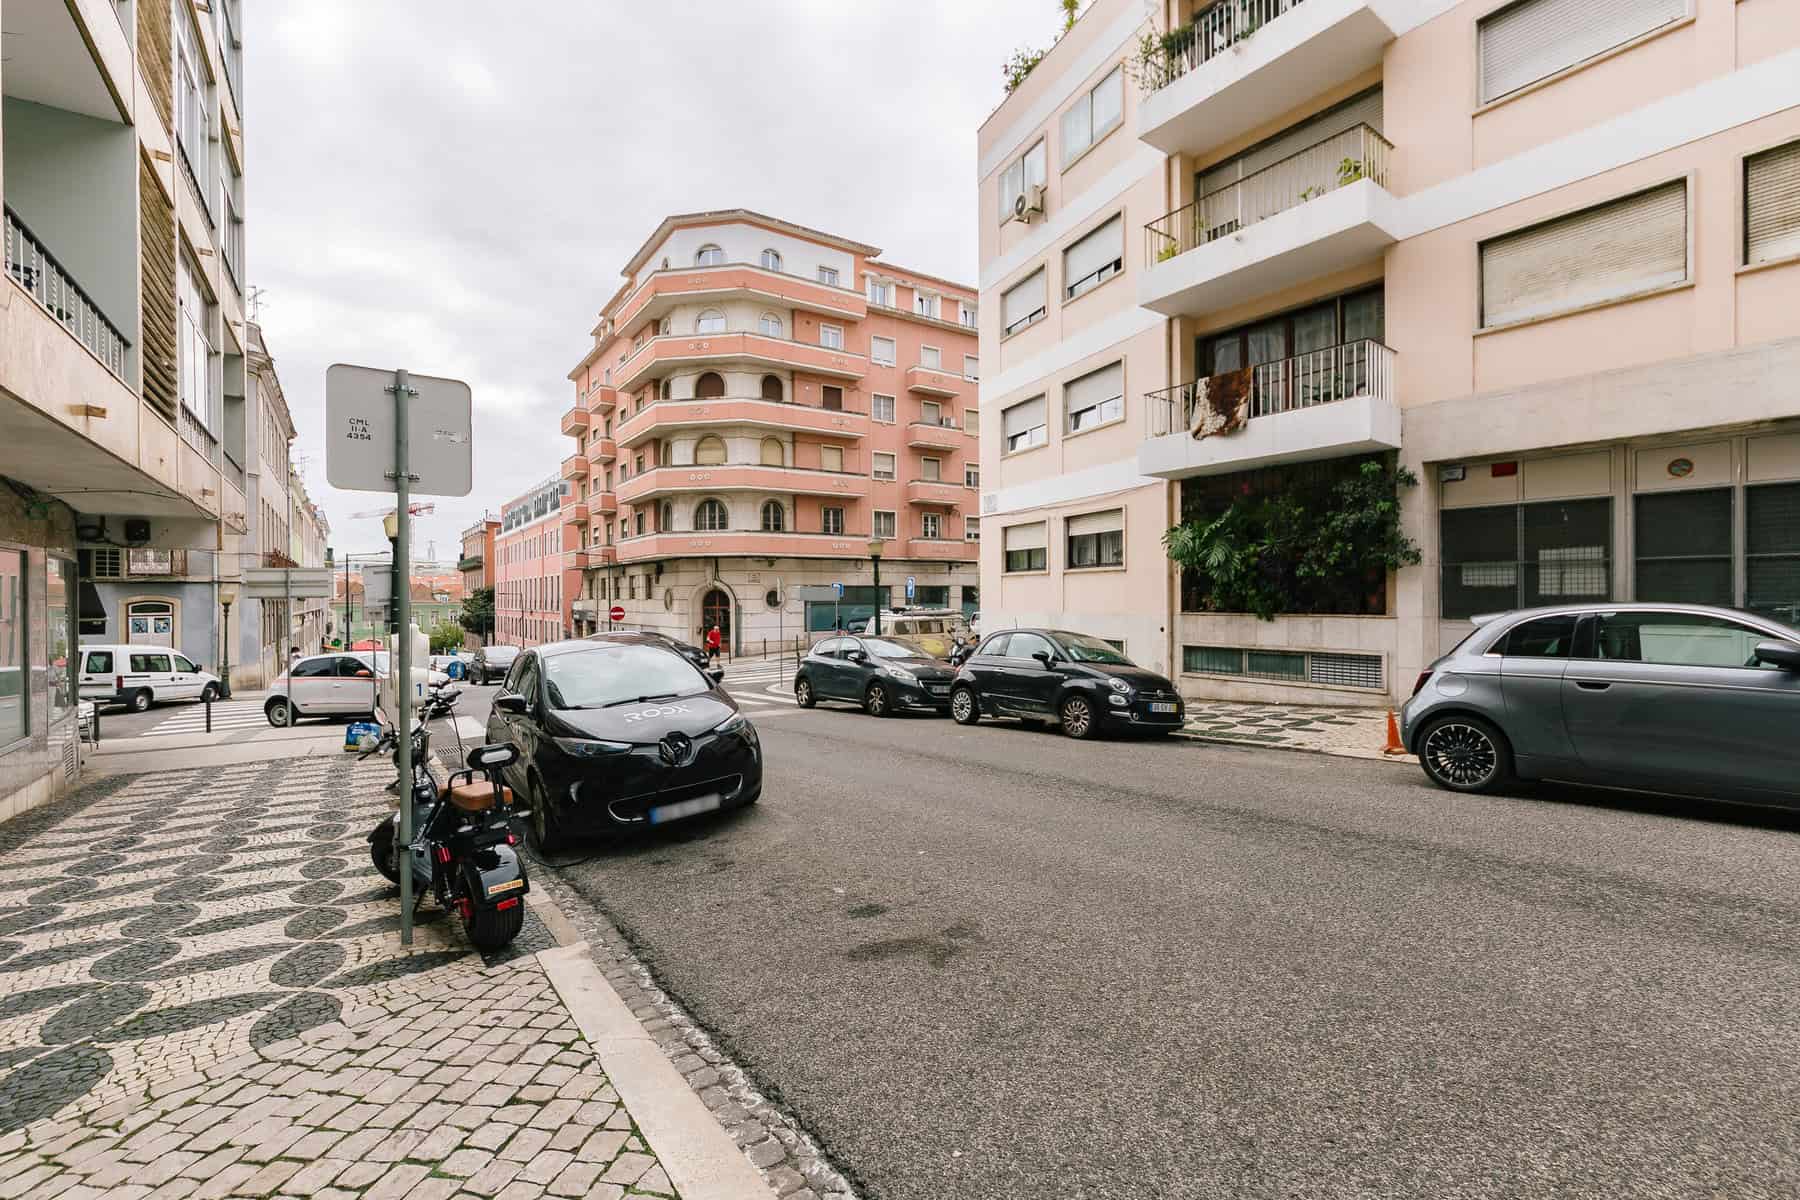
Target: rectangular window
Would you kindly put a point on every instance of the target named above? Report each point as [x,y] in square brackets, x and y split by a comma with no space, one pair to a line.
[1683,547]
[884,525]
[831,398]
[831,520]
[882,465]
[1026,547]
[971,367]
[881,408]
[1095,398]
[931,470]
[831,336]
[1535,39]
[928,525]
[1772,550]
[930,357]
[1096,540]
[967,315]
[925,304]
[1772,204]
[1025,172]
[1525,555]
[1094,259]
[881,292]
[881,351]
[828,275]
[194,346]
[1093,115]
[1022,305]
[1022,426]
[971,529]
[1612,250]
[971,420]
[15,698]
[971,475]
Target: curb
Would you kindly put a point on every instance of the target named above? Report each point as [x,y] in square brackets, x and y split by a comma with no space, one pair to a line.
[1246,744]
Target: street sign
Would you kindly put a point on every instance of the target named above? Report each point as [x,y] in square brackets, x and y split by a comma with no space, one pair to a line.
[909,587]
[838,589]
[616,612]
[359,432]
[288,583]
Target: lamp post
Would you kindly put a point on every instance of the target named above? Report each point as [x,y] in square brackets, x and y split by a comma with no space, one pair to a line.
[875,545]
[390,525]
[227,594]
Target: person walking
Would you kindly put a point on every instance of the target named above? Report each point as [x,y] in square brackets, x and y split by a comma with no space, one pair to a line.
[714,640]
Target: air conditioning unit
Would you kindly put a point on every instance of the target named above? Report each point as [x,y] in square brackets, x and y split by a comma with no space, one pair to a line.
[1029,204]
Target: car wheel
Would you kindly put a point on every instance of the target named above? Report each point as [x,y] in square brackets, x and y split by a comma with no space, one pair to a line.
[546,829]
[803,693]
[280,713]
[209,693]
[1465,754]
[963,709]
[1078,717]
[875,700]
[139,702]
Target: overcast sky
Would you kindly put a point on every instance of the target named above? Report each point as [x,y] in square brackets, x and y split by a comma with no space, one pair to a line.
[434,185]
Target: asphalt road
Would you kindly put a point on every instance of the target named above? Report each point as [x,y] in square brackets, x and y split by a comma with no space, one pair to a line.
[997,963]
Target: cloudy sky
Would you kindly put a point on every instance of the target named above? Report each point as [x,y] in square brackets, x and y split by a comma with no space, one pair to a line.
[435,185]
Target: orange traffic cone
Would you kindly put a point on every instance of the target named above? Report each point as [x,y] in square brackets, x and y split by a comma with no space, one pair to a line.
[1393,736]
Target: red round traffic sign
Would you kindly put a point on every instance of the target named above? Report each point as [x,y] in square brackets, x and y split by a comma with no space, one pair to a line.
[617,612]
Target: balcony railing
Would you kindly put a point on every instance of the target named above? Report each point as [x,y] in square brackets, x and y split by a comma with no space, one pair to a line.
[1364,368]
[1325,166]
[1214,30]
[37,271]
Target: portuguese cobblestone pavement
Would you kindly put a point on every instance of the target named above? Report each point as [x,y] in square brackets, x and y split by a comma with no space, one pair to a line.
[202,995]
[1352,732]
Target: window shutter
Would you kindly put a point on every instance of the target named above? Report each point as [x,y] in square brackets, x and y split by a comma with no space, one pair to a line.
[1096,387]
[1772,200]
[1611,250]
[1104,245]
[1021,417]
[1025,298]
[1101,522]
[1077,128]
[1537,38]
[1026,537]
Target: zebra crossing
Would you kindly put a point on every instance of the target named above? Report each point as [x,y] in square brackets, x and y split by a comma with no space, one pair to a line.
[761,685]
[227,715]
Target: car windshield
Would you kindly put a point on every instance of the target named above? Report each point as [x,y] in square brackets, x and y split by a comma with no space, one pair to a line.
[895,648]
[617,674]
[1086,649]
[503,653]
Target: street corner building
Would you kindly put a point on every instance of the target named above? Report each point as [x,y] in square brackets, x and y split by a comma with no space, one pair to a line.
[762,405]
[534,578]
[1543,257]
[143,437]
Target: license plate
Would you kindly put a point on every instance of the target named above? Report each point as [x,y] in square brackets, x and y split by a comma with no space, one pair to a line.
[686,808]
[937,689]
[1162,706]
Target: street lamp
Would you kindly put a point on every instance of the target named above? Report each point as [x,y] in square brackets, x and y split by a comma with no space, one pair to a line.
[227,594]
[875,545]
[390,525]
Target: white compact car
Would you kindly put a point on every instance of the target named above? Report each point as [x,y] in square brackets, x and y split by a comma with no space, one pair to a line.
[333,685]
[139,676]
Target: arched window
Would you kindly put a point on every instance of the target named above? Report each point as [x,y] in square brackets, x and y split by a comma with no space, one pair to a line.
[665,516]
[709,451]
[668,389]
[709,385]
[710,514]
[771,260]
[771,387]
[774,517]
[710,321]
[772,453]
[667,326]
[709,255]
[770,325]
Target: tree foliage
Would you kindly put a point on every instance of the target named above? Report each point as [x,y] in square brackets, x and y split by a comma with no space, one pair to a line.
[478,612]
[447,636]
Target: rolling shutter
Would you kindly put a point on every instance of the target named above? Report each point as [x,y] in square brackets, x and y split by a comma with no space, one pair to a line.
[1103,247]
[1093,390]
[1025,298]
[1102,522]
[1602,253]
[1026,537]
[1772,204]
[1535,39]
[1020,417]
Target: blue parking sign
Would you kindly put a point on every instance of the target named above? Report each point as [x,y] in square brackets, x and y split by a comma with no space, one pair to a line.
[909,587]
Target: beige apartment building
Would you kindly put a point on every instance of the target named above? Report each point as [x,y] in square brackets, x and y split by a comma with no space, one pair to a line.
[1544,255]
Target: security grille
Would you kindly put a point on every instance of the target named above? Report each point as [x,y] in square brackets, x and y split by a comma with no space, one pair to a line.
[1772,550]
[1345,670]
[1683,547]
[1328,668]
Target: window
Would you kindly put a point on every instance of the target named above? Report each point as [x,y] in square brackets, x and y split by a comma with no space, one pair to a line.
[971,420]
[318,668]
[774,517]
[1026,547]
[828,275]
[831,398]
[772,389]
[709,451]
[931,469]
[884,525]
[831,336]
[1683,547]
[1546,637]
[971,367]
[967,315]
[925,304]
[929,356]
[1022,305]
[1096,539]
[971,475]
[881,407]
[1525,555]
[1025,172]
[931,412]
[1674,638]
[665,516]
[1022,426]
[709,386]
[1095,398]
[1093,115]
[1772,550]
[971,529]
[1772,204]
[883,465]
[194,347]
[1603,253]
[666,326]
[831,458]
[14,613]
[881,351]
[881,291]
[710,321]
[1029,645]
[710,514]
[1535,39]
[771,260]
[709,255]
[1335,670]
[770,325]
[831,520]
[1310,334]
[928,525]
[1096,258]
[773,454]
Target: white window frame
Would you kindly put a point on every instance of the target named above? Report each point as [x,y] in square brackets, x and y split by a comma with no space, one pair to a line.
[1042,279]
[931,470]
[1561,48]
[930,526]
[831,336]
[1035,436]
[875,468]
[931,412]
[971,529]
[880,291]
[892,524]
[972,475]
[883,358]
[875,400]
[1777,239]
[1021,174]
[838,451]
[967,315]
[1074,288]
[710,314]
[709,255]
[925,304]
[1069,536]
[972,368]
[771,325]
[770,259]
[1079,134]
[828,276]
[932,357]
[1107,411]
[831,520]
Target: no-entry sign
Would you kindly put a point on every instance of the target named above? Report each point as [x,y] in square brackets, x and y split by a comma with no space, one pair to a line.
[617,612]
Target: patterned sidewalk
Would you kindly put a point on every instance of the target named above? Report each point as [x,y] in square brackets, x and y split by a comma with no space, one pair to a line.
[1351,732]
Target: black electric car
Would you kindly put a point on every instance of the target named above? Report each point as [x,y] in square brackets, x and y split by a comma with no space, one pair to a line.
[619,733]
[885,675]
[492,663]
[1082,682]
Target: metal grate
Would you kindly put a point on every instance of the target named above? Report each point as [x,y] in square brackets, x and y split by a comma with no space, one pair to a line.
[1345,670]
[1328,668]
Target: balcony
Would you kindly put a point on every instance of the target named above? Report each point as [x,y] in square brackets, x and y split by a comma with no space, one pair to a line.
[602,450]
[929,381]
[1320,210]
[574,422]
[751,349]
[1240,62]
[925,435]
[575,467]
[601,398]
[575,513]
[604,504]
[469,562]
[741,477]
[589,556]
[665,290]
[942,549]
[935,493]
[782,415]
[751,542]
[36,270]
[1324,404]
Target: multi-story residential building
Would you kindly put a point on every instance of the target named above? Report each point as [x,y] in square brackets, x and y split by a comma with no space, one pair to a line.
[477,563]
[122,347]
[533,581]
[263,637]
[761,402]
[310,539]
[1541,254]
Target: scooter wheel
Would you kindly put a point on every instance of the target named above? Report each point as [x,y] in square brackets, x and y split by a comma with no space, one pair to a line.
[381,851]
[491,929]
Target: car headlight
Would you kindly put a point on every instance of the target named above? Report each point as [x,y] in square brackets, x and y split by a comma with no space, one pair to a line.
[1119,685]
[735,723]
[900,673]
[590,747]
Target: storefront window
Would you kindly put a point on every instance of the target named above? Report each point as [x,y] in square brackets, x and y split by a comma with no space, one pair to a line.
[13,691]
[59,627]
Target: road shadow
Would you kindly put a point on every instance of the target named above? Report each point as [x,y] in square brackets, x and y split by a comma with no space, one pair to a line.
[1715,811]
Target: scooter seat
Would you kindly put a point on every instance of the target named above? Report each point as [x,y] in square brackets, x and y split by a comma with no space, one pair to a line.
[472,797]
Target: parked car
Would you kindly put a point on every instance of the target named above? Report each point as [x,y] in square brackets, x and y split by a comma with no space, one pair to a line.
[619,733]
[885,675]
[938,630]
[322,685]
[139,676]
[492,663]
[1664,697]
[1082,682]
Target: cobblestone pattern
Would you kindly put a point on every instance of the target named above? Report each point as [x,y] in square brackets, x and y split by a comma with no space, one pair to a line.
[201,995]
[790,1159]
[1352,732]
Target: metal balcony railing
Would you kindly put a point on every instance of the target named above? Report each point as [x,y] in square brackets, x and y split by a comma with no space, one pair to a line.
[1364,368]
[1338,161]
[37,271]
[1214,30]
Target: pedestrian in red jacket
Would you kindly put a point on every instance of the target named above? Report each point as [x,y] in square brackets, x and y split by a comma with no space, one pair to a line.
[714,640]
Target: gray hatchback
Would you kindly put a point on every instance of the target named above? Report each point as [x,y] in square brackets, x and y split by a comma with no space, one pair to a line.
[1662,697]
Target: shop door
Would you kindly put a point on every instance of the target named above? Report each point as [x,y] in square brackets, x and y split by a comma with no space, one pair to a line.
[715,609]
[150,623]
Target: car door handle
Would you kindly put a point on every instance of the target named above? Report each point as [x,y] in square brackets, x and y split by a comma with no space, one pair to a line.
[1592,685]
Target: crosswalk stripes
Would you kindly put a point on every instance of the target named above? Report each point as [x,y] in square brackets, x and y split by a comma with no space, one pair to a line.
[230,714]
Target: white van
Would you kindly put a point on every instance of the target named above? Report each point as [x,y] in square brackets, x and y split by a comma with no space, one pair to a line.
[139,676]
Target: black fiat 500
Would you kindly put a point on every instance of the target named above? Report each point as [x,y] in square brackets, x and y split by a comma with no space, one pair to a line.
[885,675]
[620,733]
[1082,682]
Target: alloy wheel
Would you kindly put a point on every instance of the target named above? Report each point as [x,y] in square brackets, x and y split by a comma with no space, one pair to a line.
[1077,717]
[1460,754]
[962,706]
[877,702]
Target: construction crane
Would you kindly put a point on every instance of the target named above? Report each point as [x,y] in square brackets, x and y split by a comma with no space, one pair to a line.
[411,510]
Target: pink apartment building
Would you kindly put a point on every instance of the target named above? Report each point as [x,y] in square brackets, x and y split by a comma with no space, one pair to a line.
[533,580]
[1544,254]
[761,402]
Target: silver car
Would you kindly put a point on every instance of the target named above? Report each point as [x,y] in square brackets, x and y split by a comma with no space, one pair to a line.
[1662,697]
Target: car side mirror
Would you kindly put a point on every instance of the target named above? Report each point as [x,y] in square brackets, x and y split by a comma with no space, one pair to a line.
[1045,657]
[716,674]
[857,656]
[365,675]
[1785,655]
[510,703]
